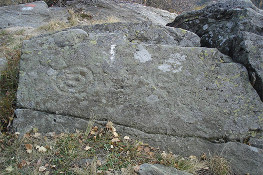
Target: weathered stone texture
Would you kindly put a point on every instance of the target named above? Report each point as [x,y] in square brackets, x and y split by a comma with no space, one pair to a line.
[149,86]
[24,15]
[149,169]
[235,28]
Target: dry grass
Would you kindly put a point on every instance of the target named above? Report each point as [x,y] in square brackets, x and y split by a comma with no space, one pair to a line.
[11,43]
[110,19]
[219,165]
[53,26]
[78,153]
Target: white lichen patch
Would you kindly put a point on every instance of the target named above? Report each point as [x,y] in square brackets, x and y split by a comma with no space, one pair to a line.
[142,54]
[51,72]
[174,63]
[112,52]
[165,67]
[27,8]
[152,99]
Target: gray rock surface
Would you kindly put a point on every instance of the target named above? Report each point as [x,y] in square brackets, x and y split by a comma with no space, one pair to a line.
[3,64]
[149,169]
[144,32]
[188,100]
[24,15]
[235,28]
[109,10]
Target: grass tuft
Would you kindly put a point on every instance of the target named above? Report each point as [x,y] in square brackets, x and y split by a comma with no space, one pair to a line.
[219,165]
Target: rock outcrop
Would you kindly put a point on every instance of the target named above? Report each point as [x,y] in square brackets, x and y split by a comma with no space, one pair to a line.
[235,28]
[153,82]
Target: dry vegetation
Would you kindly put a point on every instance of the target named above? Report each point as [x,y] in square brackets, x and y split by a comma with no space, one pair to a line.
[95,151]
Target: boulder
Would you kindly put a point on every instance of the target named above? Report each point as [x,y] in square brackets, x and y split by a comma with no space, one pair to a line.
[150,82]
[24,15]
[235,28]
[149,169]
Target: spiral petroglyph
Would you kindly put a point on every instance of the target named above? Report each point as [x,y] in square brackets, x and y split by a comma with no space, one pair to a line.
[74,79]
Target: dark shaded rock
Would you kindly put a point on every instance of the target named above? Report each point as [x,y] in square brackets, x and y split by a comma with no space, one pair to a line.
[149,169]
[235,27]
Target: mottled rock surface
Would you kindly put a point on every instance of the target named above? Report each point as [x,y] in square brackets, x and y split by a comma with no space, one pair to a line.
[149,169]
[149,81]
[235,28]
[24,15]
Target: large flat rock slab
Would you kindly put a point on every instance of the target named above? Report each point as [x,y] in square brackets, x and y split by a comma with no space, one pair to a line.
[24,15]
[182,91]
[162,93]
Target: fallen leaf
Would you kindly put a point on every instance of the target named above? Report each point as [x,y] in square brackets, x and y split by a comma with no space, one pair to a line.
[99,171]
[42,149]
[164,155]
[35,130]
[9,168]
[87,148]
[193,158]
[53,166]
[29,148]
[27,135]
[136,168]
[42,168]
[115,134]
[115,140]
[95,128]
[36,135]
[99,163]
[39,162]
[22,164]
[111,146]
[151,154]
[147,149]
[93,132]
[109,125]
[140,148]
[203,156]
[107,173]
[126,138]
[17,133]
